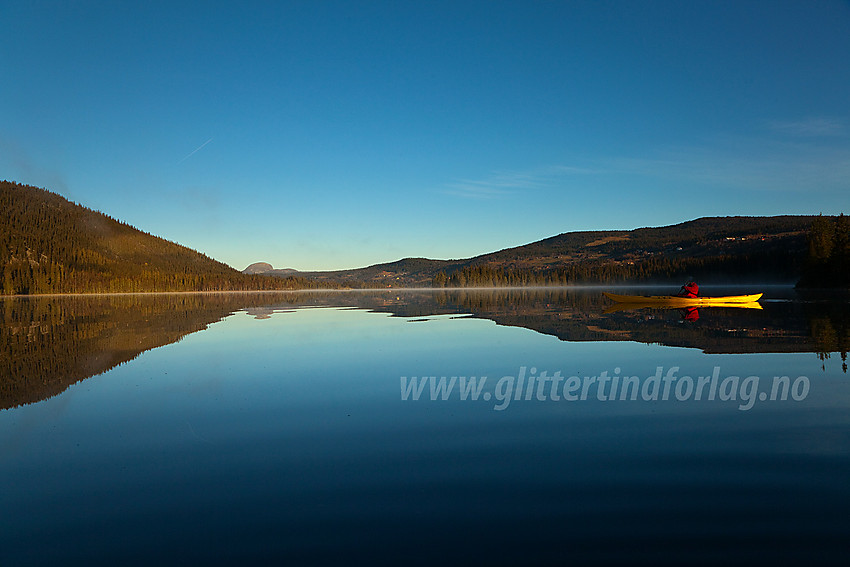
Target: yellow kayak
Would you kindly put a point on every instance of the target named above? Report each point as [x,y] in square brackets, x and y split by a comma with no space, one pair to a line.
[675,301]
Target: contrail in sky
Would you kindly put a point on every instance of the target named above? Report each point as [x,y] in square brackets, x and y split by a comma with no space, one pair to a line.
[196,150]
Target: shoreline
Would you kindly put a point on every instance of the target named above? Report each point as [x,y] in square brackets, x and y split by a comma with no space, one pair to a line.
[387,290]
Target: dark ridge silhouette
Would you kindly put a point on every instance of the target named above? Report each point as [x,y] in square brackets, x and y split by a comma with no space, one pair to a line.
[713,249]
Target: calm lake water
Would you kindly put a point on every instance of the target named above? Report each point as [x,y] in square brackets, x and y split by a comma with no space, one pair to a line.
[418,427]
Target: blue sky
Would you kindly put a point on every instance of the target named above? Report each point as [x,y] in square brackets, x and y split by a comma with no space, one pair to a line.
[330,135]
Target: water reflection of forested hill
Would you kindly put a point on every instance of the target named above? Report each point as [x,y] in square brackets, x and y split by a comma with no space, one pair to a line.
[786,325]
[790,324]
[51,343]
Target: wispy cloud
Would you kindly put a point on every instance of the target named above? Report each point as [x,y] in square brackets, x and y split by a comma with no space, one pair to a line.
[809,127]
[505,183]
[800,165]
[760,166]
[193,152]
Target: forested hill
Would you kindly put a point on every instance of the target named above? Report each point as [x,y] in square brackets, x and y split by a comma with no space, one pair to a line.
[51,245]
[712,249]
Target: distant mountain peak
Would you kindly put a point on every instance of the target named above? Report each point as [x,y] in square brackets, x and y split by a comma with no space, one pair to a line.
[258,268]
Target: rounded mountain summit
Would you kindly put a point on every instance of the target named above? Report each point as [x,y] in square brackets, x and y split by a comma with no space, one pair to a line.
[258,268]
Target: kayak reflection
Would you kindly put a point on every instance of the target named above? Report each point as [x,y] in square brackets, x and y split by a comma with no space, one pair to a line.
[686,303]
[689,314]
[673,305]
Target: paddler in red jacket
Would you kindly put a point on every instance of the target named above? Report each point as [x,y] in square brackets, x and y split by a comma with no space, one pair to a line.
[690,289]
